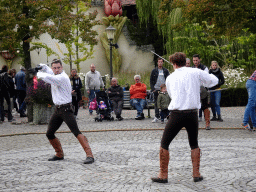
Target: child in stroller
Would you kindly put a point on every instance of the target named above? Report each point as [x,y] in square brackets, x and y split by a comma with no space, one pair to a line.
[103,110]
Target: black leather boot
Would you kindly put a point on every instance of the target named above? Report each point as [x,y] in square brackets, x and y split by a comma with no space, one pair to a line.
[219,118]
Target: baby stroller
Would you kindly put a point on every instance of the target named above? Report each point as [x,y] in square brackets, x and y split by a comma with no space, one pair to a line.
[103,109]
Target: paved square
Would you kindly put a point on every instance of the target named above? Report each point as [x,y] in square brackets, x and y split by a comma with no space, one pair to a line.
[125,160]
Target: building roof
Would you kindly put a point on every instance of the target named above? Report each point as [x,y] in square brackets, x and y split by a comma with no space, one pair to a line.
[128,2]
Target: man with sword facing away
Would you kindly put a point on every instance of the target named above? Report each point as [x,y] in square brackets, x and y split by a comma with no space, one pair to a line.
[183,86]
[62,98]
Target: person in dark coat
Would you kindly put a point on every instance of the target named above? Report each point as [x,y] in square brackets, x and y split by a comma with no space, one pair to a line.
[197,64]
[76,84]
[157,78]
[116,94]
[21,91]
[7,87]
[12,73]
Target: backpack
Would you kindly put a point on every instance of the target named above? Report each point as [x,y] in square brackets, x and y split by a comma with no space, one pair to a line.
[4,82]
[203,92]
[93,104]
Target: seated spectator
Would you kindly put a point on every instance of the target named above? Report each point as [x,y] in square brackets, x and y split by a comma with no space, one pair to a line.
[138,93]
[163,101]
[115,94]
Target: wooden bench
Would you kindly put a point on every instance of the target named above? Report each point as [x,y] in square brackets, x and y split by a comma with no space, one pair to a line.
[149,101]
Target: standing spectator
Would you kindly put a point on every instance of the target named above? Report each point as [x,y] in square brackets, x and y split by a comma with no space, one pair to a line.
[61,95]
[187,62]
[163,102]
[116,94]
[250,107]
[76,84]
[183,86]
[12,73]
[21,91]
[197,64]
[216,95]
[6,90]
[157,78]
[138,93]
[93,83]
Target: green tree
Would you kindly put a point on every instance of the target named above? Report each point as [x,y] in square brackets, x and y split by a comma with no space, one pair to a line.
[81,43]
[227,17]
[219,30]
[23,20]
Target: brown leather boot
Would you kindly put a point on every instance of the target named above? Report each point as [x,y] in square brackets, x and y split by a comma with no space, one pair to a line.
[58,149]
[195,157]
[164,161]
[207,119]
[84,142]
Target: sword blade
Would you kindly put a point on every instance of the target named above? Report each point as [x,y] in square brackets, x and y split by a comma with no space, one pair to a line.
[161,57]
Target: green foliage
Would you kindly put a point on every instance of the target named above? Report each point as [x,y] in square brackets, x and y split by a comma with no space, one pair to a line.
[23,20]
[227,17]
[83,37]
[219,30]
[118,23]
[39,45]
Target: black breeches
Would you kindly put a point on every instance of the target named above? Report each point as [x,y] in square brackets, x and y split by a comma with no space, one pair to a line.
[204,103]
[176,122]
[62,114]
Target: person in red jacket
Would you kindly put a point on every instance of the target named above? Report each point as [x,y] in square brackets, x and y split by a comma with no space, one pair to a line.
[138,93]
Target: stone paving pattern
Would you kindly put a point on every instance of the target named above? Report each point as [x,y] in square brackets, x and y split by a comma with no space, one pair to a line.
[127,155]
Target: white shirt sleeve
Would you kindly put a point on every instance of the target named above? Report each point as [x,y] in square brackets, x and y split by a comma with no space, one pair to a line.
[46,69]
[208,80]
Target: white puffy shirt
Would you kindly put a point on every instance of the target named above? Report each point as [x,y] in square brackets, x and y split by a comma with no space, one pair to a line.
[60,85]
[183,86]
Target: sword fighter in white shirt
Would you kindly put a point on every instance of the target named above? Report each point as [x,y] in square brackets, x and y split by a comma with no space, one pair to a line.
[183,86]
[62,99]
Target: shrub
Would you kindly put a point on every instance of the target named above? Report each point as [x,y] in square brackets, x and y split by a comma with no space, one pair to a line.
[234,97]
[40,95]
[234,78]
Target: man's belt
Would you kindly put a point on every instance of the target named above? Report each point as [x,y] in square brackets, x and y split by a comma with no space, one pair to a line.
[63,105]
[184,111]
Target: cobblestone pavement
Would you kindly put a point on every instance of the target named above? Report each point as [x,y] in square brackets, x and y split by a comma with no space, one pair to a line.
[125,160]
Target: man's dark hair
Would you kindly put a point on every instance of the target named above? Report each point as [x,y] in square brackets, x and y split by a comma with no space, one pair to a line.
[178,58]
[56,61]
[159,58]
[196,55]
[4,68]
